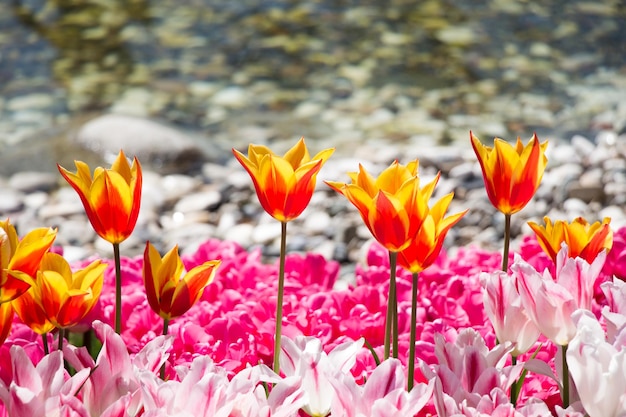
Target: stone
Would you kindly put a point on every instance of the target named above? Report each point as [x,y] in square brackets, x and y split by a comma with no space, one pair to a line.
[156,145]
[10,201]
[31,181]
[199,201]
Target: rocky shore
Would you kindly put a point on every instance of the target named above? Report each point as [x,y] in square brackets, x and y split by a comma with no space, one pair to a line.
[213,196]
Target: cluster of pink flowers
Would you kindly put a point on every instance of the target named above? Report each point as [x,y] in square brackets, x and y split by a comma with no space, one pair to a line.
[215,354]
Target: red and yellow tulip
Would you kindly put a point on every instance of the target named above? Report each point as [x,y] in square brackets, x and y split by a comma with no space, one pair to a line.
[392,206]
[284,184]
[111,197]
[66,297]
[20,255]
[171,291]
[583,240]
[512,173]
[426,245]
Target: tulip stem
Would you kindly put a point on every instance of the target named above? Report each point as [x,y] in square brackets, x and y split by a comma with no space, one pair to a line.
[118,288]
[391,320]
[411,375]
[44,339]
[515,388]
[507,240]
[166,325]
[565,391]
[279,301]
[61,337]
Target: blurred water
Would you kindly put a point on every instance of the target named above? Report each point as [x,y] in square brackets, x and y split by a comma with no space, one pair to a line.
[86,53]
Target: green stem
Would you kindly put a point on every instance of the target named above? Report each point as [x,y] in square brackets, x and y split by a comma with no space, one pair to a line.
[166,325]
[391,321]
[565,392]
[118,288]
[61,337]
[411,375]
[516,387]
[507,240]
[279,301]
[44,339]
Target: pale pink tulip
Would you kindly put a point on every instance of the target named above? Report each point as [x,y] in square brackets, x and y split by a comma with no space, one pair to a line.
[304,357]
[615,312]
[494,404]
[383,394]
[204,390]
[42,390]
[598,368]
[468,370]
[504,308]
[113,375]
[550,302]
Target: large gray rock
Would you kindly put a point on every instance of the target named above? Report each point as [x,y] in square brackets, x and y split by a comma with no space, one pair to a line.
[157,146]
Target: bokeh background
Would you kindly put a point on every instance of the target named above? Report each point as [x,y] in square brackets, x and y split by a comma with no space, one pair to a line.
[338,72]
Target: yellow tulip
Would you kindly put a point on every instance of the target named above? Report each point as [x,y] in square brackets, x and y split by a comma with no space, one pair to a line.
[171,291]
[66,297]
[583,240]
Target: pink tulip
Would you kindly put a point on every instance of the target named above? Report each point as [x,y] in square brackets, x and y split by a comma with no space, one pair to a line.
[598,368]
[112,376]
[550,302]
[204,390]
[615,312]
[468,370]
[504,308]
[494,404]
[41,390]
[304,357]
[383,394]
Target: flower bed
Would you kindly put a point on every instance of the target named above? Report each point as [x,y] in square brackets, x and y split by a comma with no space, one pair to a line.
[203,343]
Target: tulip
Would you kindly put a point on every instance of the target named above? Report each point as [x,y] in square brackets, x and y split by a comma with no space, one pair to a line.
[393,207]
[598,368]
[504,308]
[20,255]
[111,200]
[550,302]
[424,249]
[41,389]
[583,240]
[420,254]
[66,296]
[284,185]
[171,291]
[111,197]
[512,176]
[305,358]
